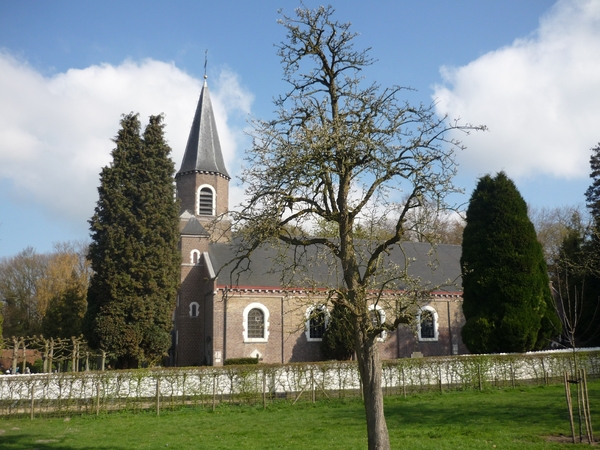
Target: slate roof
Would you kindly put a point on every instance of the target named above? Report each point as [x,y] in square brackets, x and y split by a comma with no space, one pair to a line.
[203,149]
[194,228]
[434,266]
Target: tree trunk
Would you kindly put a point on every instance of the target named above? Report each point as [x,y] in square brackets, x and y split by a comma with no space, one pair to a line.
[127,362]
[369,366]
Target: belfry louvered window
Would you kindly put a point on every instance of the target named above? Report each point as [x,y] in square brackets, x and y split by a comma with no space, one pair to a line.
[205,204]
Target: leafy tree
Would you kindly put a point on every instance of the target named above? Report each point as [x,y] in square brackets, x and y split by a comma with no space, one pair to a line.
[506,300]
[63,290]
[30,282]
[343,154]
[338,338]
[134,253]
[64,317]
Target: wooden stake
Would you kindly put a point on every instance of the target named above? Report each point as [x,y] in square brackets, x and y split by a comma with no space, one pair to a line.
[264,381]
[312,385]
[512,374]
[403,384]
[157,396]
[32,400]
[587,401]
[585,404]
[214,392]
[98,397]
[569,404]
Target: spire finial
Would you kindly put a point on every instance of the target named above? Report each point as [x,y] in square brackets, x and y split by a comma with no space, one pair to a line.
[205,62]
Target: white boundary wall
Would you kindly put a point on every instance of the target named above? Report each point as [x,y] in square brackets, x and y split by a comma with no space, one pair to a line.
[292,378]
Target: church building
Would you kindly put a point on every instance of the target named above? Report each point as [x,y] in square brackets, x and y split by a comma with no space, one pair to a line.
[222,317]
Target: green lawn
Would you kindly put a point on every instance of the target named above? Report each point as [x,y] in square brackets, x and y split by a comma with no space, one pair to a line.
[523,418]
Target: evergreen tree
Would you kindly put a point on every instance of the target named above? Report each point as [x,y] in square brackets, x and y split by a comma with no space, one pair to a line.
[65,313]
[338,338]
[592,195]
[591,250]
[134,253]
[506,301]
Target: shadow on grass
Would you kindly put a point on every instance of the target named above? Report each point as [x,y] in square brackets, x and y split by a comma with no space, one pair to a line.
[27,441]
[533,408]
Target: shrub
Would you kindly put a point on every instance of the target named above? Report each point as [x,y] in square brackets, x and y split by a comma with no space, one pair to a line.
[240,361]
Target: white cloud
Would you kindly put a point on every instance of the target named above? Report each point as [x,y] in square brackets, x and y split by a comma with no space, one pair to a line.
[539,97]
[231,101]
[55,133]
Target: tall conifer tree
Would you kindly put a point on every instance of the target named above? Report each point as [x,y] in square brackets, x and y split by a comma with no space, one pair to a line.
[134,252]
[507,301]
[338,339]
[592,195]
[589,333]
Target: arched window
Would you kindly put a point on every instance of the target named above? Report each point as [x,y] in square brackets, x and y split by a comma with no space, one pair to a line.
[206,202]
[194,309]
[427,323]
[377,315]
[317,318]
[256,323]
[195,257]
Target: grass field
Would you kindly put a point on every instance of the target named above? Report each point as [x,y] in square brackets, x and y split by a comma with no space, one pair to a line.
[522,418]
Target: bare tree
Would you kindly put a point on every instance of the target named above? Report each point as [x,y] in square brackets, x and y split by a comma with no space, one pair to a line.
[552,226]
[575,280]
[19,278]
[429,222]
[31,282]
[345,155]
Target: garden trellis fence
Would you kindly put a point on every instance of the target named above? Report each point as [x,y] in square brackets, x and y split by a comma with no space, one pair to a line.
[162,388]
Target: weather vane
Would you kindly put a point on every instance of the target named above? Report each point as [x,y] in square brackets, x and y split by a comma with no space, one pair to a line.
[205,62]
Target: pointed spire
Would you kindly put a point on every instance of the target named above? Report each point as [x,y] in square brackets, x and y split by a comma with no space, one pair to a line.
[203,150]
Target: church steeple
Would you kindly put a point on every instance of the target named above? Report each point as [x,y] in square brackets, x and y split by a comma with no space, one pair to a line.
[202,180]
[203,150]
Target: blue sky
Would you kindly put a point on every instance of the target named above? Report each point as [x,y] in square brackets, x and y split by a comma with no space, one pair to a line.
[529,70]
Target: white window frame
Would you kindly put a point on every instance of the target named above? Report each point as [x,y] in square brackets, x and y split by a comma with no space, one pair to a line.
[435,324]
[197,253]
[381,312]
[197,309]
[214,199]
[265,311]
[308,313]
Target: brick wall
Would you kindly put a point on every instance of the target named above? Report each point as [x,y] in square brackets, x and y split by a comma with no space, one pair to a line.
[187,191]
[287,341]
[194,333]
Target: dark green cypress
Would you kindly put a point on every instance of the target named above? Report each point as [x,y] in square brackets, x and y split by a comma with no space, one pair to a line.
[506,301]
[338,339]
[134,253]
